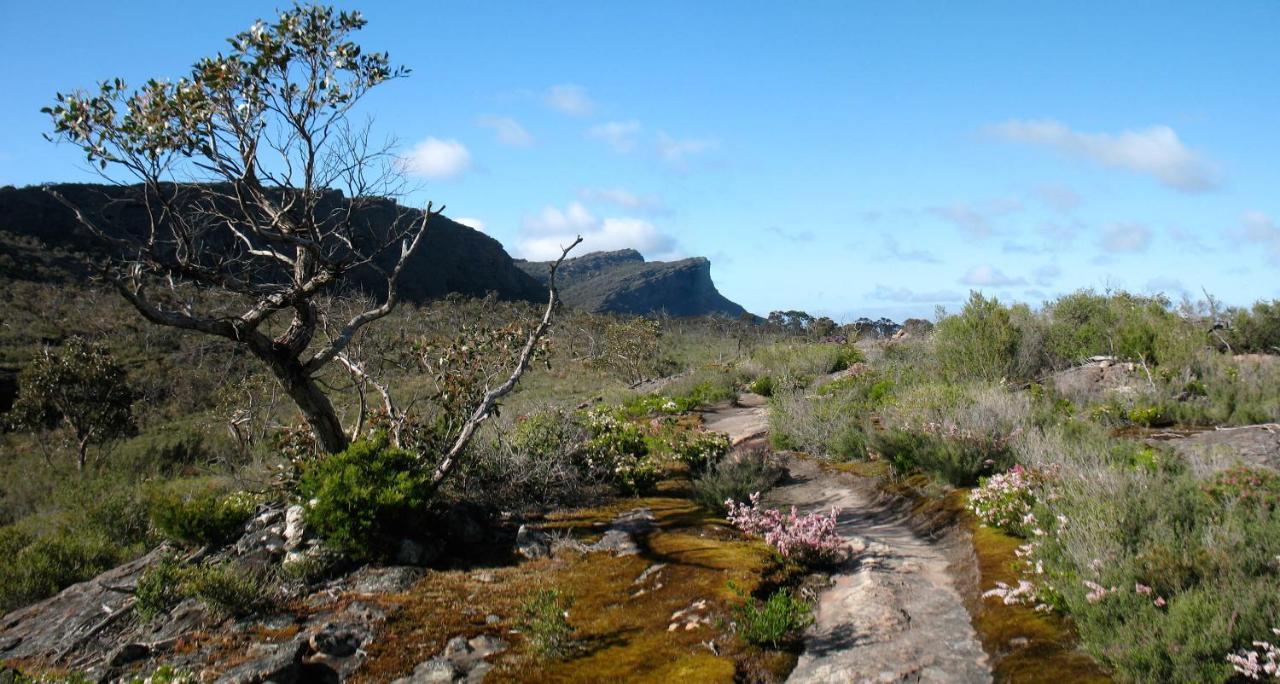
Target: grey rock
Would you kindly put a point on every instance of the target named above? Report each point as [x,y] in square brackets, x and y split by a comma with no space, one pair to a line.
[268,663]
[336,641]
[412,553]
[128,653]
[389,580]
[430,672]
[295,529]
[532,543]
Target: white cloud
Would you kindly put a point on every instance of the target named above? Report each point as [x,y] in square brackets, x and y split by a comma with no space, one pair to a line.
[895,252]
[436,159]
[1126,237]
[552,221]
[545,233]
[621,135]
[471,222]
[975,221]
[508,130]
[791,235]
[1058,197]
[902,294]
[987,275]
[1154,151]
[1259,228]
[675,151]
[624,198]
[570,99]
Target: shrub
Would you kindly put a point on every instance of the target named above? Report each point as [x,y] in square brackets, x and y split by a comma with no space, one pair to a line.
[1256,329]
[159,588]
[810,540]
[1261,661]
[775,622]
[1006,500]
[45,565]
[364,499]
[203,517]
[544,619]
[978,343]
[700,450]
[957,457]
[734,480]
[1257,488]
[547,434]
[228,589]
[617,449]
[762,385]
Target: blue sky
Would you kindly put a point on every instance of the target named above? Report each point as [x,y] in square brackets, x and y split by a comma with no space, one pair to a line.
[839,157]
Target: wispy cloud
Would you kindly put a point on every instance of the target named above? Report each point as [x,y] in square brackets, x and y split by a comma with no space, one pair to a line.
[1046,275]
[621,135]
[1125,237]
[1156,151]
[895,252]
[1057,197]
[987,275]
[1261,229]
[791,235]
[905,295]
[543,234]
[976,221]
[437,159]
[677,151]
[507,130]
[569,98]
[649,204]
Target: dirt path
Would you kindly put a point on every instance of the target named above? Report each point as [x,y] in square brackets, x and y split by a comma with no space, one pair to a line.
[893,614]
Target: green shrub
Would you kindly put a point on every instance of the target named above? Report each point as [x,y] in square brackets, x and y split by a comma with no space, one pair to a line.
[228,589]
[699,450]
[737,480]
[762,385]
[775,622]
[159,588]
[366,498]
[978,343]
[1149,416]
[1256,330]
[618,451]
[45,565]
[960,460]
[547,433]
[1247,486]
[544,620]
[203,517]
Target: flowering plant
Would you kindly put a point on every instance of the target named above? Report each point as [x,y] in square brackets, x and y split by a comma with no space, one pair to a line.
[807,539]
[1006,500]
[701,450]
[1263,661]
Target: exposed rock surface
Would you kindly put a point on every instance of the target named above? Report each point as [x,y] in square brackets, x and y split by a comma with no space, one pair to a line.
[1100,375]
[462,660]
[623,282]
[39,238]
[1252,445]
[893,613]
[318,635]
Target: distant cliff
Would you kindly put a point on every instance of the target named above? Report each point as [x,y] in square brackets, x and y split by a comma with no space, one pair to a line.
[41,240]
[623,282]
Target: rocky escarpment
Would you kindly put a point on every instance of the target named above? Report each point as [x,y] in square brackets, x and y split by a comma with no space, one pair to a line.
[41,240]
[623,282]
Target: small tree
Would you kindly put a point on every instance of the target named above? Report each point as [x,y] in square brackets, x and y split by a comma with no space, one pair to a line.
[236,166]
[80,386]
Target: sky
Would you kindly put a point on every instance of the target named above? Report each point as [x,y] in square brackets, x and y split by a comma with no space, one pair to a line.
[845,158]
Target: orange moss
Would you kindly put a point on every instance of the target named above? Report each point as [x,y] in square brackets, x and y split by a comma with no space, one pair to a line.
[624,633]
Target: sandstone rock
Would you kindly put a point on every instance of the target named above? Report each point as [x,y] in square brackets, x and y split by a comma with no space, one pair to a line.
[294,528]
[268,663]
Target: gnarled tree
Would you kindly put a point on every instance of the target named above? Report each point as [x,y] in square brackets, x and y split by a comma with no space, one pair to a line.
[253,181]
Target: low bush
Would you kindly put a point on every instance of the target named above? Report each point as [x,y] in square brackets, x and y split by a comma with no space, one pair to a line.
[700,450]
[200,516]
[36,567]
[734,480]
[1257,329]
[979,343]
[365,499]
[958,458]
[228,589]
[762,385]
[775,622]
[810,540]
[617,449]
[1006,500]
[544,619]
[159,588]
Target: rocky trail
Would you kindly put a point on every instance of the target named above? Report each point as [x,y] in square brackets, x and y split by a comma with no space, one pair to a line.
[893,613]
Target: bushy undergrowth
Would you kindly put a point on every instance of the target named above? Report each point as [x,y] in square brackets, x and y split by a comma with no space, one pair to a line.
[200,516]
[776,622]
[544,620]
[810,540]
[362,500]
[227,589]
[734,480]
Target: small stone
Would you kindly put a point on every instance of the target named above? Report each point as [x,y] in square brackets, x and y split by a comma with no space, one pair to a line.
[691,626]
[335,642]
[1019,642]
[456,647]
[484,645]
[531,543]
[492,619]
[294,527]
[484,576]
[673,627]
[434,670]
